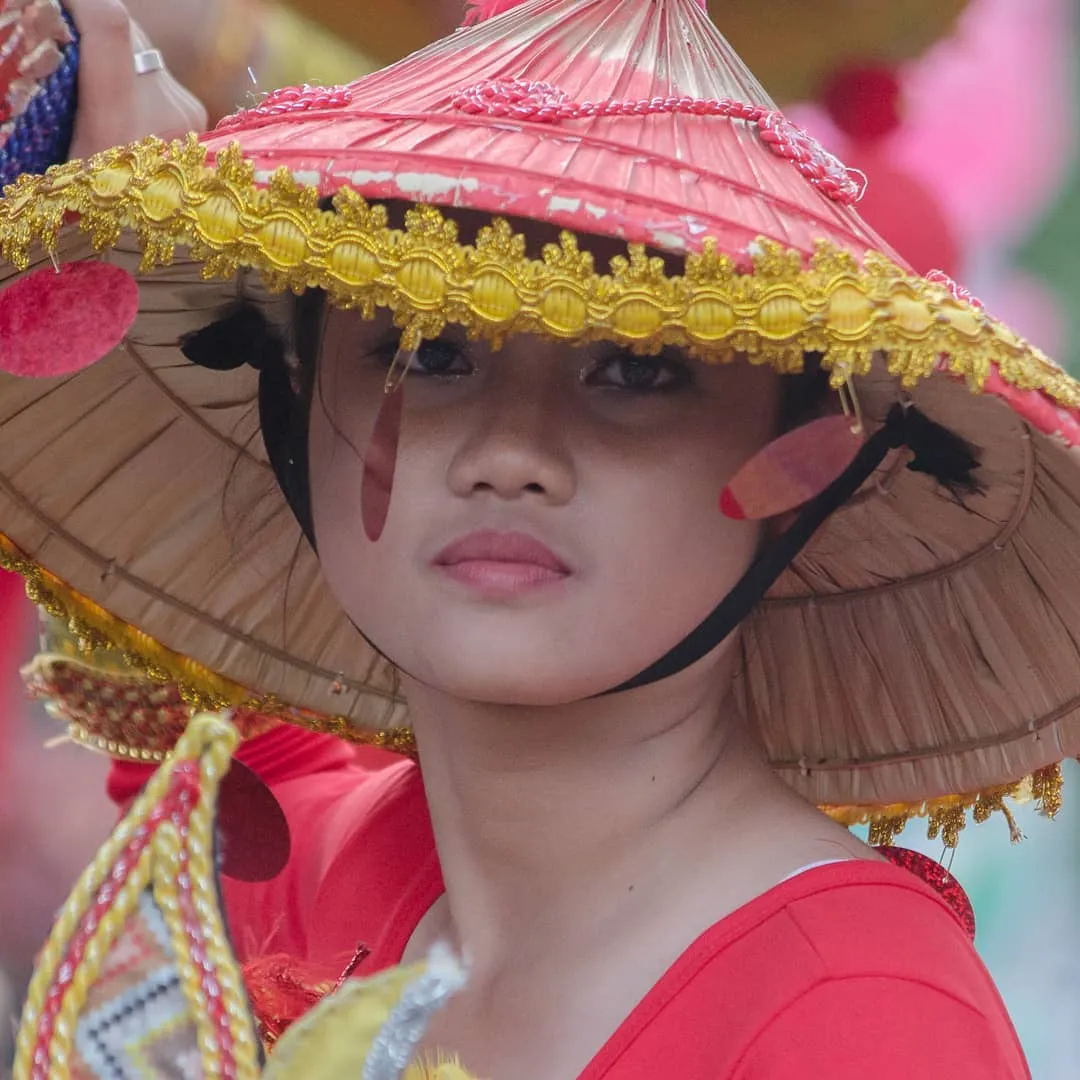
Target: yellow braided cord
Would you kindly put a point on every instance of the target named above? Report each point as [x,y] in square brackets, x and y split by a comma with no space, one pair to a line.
[84,976]
[171,852]
[210,741]
[71,914]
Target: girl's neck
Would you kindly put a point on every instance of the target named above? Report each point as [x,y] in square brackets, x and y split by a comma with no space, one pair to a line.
[564,816]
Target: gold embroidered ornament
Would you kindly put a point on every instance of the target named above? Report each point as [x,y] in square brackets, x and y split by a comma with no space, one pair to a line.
[869,672]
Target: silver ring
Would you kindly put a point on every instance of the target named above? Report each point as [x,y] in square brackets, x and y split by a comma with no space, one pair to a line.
[148,61]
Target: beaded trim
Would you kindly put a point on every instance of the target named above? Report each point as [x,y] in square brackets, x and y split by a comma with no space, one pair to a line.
[165,843]
[544,103]
[123,715]
[772,309]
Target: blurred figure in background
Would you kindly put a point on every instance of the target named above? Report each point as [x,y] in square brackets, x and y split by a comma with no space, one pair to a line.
[229,51]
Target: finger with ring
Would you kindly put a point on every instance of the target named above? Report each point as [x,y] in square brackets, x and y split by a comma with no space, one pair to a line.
[148,61]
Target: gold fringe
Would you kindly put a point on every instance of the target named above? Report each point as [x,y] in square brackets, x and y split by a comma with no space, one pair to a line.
[785,306]
[1046,788]
[947,816]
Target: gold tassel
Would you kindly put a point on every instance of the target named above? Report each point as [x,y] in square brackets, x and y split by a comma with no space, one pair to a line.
[1015,833]
[947,822]
[884,831]
[1046,787]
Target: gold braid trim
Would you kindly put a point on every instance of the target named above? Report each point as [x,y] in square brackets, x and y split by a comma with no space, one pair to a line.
[204,691]
[785,306]
[209,742]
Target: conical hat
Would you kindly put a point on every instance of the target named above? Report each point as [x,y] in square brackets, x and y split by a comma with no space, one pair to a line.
[921,649]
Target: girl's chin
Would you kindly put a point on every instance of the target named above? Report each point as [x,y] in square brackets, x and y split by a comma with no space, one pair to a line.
[519,683]
[511,694]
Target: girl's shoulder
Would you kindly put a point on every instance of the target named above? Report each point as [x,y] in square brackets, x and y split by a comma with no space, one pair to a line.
[846,968]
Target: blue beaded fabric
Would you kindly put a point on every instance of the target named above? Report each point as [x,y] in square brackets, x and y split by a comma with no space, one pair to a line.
[42,135]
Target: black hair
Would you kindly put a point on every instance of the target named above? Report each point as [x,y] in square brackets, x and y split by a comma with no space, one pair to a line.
[286,363]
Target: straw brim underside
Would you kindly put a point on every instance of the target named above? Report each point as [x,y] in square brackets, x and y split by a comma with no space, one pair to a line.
[921,646]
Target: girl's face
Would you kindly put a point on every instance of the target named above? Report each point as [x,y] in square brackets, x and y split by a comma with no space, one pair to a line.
[554,525]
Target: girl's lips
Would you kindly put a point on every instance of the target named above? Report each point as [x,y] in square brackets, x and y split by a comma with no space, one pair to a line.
[503,563]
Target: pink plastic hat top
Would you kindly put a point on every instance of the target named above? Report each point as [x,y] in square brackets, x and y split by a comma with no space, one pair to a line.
[631,119]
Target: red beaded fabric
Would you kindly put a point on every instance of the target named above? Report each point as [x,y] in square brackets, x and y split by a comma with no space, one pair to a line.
[938,878]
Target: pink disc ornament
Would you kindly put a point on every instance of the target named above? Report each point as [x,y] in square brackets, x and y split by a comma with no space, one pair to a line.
[380,464]
[938,878]
[55,323]
[792,470]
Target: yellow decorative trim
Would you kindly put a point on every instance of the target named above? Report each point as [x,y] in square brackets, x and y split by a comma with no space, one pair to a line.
[228,220]
[95,629]
[439,1067]
[368,1026]
[209,742]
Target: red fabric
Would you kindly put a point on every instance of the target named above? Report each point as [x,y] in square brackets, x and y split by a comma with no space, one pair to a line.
[15,615]
[847,971]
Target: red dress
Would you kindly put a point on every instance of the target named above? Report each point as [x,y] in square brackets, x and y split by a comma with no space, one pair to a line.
[850,971]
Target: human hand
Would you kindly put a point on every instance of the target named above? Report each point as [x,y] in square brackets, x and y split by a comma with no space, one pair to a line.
[214,47]
[117,106]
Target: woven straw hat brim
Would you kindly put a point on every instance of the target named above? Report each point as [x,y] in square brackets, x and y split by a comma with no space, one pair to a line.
[919,648]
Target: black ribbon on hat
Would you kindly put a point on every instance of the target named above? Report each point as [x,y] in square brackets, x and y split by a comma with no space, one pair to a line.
[936,451]
[243,335]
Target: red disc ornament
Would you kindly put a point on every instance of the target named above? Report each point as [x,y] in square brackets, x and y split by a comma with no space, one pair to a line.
[56,323]
[253,832]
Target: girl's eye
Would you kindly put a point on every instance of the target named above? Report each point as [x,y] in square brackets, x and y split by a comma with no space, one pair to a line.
[636,374]
[441,358]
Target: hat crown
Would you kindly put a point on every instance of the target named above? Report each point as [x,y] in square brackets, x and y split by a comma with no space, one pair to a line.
[625,118]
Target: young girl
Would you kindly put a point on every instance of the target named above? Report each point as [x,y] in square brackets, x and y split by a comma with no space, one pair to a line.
[662,557]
